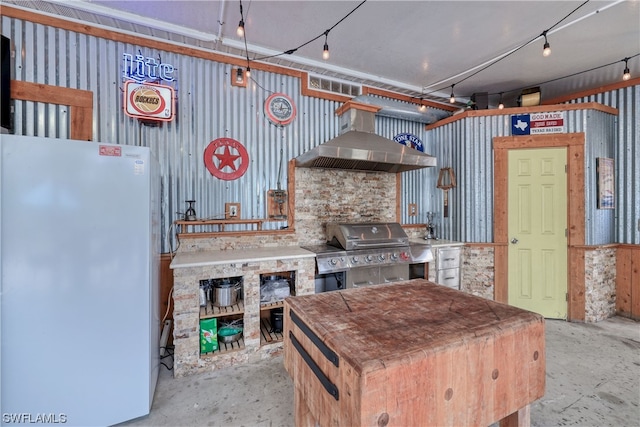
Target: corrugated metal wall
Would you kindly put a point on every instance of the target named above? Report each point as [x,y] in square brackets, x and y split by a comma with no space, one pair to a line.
[208,107]
[466,145]
[600,142]
[626,155]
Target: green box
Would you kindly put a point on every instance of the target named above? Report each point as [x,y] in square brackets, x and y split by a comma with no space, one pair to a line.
[208,335]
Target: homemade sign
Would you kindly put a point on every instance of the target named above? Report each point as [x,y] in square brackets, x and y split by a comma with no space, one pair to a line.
[538,123]
[149,101]
[226,158]
[279,109]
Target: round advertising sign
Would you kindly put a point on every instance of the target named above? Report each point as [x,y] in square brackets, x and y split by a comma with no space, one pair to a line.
[226,158]
[279,109]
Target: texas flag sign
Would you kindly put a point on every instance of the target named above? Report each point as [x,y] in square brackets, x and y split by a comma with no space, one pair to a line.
[521,124]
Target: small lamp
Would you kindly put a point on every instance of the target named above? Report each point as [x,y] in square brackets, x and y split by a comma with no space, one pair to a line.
[446,181]
[238,78]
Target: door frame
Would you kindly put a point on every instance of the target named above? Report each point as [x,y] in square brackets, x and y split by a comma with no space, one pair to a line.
[574,143]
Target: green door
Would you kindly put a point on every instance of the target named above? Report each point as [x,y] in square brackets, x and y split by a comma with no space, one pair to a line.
[537,224]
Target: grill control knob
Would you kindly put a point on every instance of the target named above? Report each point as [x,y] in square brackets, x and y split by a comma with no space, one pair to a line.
[368,258]
[355,259]
[381,257]
[333,261]
[394,256]
[404,256]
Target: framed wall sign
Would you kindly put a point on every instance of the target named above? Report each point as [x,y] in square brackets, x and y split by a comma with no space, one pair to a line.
[279,109]
[606,191]
[149,101]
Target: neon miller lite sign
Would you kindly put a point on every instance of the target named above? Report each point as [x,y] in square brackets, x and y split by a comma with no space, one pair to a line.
[143,69]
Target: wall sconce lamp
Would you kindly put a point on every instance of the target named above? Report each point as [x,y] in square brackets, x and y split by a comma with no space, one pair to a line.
[446,181]
[238,77]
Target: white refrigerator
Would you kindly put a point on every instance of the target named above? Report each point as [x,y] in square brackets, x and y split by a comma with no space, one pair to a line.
[80,248]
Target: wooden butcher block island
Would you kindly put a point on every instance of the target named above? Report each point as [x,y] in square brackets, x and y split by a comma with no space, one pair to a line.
[412,354]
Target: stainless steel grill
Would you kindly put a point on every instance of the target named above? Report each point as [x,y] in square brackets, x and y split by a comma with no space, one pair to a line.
[368,253]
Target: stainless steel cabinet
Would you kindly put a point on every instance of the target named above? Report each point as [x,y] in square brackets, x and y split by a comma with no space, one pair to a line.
[447,266]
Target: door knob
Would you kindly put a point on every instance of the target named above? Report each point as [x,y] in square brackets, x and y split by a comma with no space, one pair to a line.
[514,240]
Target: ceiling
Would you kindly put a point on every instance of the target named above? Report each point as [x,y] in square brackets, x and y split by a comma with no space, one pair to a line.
[418,48]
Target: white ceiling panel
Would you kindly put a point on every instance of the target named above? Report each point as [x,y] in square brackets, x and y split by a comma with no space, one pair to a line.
[419,48]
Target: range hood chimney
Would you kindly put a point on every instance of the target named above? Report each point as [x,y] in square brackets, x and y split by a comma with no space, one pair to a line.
[359,148]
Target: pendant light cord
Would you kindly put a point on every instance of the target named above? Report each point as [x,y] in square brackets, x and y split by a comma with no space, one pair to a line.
[291,51]
[514,50]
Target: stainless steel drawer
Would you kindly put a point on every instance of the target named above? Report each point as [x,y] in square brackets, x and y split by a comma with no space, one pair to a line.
[449,277]
[448,258]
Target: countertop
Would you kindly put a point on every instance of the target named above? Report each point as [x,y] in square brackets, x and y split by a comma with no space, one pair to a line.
[412,351]
[436,243]
[203,258]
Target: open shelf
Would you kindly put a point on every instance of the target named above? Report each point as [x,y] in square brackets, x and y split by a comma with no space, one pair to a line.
[224,348]
[271,305]
[211,310]
[267,336]
[211,227]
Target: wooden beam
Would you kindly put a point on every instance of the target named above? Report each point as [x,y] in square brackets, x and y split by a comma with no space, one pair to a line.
[291,189]
[524,110]
[576,309]
[367,90]
[38,92]
[80,104]
[590,92]
[623,281]
[398,197]
[357,106]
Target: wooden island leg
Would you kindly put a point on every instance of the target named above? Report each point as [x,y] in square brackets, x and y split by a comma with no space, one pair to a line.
[520,418]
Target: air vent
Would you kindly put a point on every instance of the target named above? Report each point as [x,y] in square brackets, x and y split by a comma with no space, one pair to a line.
[334,86]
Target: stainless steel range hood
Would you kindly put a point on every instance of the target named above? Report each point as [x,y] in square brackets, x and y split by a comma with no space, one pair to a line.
[359,148]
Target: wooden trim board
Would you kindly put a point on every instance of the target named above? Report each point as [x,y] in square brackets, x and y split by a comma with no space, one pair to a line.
[80,104]
[574,142]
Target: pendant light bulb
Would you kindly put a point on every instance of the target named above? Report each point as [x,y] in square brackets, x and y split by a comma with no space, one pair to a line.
[248,72]
[500,105]
[423,107]
[453,98]
[325,52]
[239,75]
[240,29]
[546,49]
[627,74]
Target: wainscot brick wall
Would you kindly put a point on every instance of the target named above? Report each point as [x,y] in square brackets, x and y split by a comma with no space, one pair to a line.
[600,284]
[331,195]
[187,359]
[478,271]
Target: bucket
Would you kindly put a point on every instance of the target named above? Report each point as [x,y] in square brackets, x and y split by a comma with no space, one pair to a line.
[277,315]
[226,293]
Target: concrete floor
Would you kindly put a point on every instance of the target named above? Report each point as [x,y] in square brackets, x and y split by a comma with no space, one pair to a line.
[593,379]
